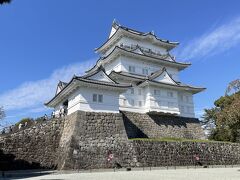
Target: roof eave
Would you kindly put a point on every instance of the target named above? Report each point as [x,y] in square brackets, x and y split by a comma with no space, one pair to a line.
[168,44]
[188,88]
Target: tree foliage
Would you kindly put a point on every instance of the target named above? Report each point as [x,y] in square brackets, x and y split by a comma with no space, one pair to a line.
[5,1]
[225,117]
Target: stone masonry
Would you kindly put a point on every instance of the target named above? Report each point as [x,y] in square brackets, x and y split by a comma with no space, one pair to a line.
[86,140]
[156,125]
[35,145]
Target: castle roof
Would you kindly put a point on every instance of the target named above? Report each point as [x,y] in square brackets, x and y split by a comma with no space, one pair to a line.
[89,80]
[152,80]
[118,51]
[122,30]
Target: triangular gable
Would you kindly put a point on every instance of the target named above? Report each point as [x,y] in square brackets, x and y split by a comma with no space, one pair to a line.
[164,77]
[100,76]
[138,51]
[60,86]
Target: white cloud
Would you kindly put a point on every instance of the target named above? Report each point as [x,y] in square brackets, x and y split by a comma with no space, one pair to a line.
[214,42]
[31,95]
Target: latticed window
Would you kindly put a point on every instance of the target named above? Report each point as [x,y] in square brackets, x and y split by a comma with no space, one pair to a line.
[140,103]
[139,92]
[97,98]
[157,92]
[94,97]
[132,90]
[131,69]
[170,94]
[145,71]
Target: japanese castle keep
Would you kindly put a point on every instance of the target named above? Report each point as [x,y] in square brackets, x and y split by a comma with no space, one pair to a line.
[131,94]
[135,73]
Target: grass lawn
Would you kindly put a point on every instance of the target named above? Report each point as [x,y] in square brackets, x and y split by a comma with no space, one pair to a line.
[173,139]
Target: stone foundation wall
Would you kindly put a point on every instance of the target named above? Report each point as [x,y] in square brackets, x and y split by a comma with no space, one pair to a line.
[93,138]
[35,147]
[157,125]
[154,153]
[85,140]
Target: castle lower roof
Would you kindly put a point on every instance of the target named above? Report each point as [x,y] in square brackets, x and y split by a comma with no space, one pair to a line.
[78,81]
[149,80]
[123,51]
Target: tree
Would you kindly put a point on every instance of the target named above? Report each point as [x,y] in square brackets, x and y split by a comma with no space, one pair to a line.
[233,86]
[5,1]
[226,118]
[2,113]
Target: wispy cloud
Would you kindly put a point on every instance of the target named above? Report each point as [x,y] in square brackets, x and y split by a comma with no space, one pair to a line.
[30,96]
[218,40]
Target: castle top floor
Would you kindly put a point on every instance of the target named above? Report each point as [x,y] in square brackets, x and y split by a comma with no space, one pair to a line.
[123,36]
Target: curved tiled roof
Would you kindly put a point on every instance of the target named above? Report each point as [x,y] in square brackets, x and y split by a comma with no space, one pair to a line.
[135,32]
[143,55]
[143,79]
[90,81]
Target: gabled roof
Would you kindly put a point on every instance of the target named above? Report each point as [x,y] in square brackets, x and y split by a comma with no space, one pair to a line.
[86,80]
[164,75]
[119,29]
[60,86]
[100,70]
[180,86]
[123,51]
[145,80]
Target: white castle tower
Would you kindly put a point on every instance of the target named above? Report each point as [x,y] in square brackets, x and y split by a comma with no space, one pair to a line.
[134,73]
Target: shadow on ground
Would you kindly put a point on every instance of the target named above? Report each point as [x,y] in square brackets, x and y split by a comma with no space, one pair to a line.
[12,168]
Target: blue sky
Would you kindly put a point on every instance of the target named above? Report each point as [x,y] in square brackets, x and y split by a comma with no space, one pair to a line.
[42,42]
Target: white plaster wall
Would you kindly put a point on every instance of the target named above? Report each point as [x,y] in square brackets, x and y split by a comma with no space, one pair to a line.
[140,64]
[113,66]
[81,99]
[57,109]
[164,77]
[186,104]
[150,101]
[100,76]
[163,101]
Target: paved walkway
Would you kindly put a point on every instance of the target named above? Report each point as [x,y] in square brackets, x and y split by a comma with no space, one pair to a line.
[172,174]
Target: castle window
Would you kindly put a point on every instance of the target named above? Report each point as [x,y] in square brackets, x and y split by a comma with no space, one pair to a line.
[157,92]
[124,102]
[170,105]
[100,98]
[131,69]
[132,102]
[139,92]
[181,97]
[94,97]
[132,90]
[182,109]
[140,103]
[145,71]
[97,98]
[170,94]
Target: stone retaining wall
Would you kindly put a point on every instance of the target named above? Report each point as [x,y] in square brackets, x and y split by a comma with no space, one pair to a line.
[156,153]
[93,138]
[156,125]
[86,140]
[36,146]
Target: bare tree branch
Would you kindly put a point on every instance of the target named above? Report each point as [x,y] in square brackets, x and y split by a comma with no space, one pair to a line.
[2,113]
[233,86]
